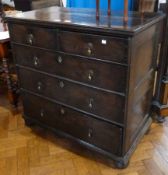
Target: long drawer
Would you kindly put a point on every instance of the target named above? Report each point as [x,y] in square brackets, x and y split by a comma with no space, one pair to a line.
[96,73]
[103,47]
[103,104]
[73,123]
[34,36]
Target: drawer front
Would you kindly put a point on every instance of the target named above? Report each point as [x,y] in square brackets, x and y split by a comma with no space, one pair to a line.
[33,36]
[100,103]
[96,73]
[103,47]
[101,134]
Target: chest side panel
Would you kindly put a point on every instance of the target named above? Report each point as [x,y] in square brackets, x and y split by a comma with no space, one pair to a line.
[141,82]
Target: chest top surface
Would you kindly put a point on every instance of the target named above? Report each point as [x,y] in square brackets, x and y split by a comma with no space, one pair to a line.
[86,19]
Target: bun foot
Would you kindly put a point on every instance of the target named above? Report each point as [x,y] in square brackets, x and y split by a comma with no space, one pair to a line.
[160,119]
[28,123]
[121,164]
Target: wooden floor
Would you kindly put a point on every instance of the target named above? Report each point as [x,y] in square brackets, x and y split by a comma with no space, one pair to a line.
[25,151]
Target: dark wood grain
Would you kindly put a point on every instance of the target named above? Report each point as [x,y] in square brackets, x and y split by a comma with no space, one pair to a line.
[89,71]
[84,19]
[94,46]
[34,36]
[143,61]
[78,125]
[87,99]
[99,72]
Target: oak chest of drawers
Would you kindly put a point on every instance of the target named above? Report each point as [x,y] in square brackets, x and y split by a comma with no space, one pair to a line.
[87,80]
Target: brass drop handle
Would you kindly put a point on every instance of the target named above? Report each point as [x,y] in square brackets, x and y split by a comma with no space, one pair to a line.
[90,133]
[42,113]
[30,39]
[59,60]
[62,111]
[90,75]
[61,84]
[36,61]
[39,86]
[89,50]
[91,103]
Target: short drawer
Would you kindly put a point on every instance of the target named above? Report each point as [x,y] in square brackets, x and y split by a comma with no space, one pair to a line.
[96,73]
[101,134]
[33,36]
[102,47]
[100,103]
